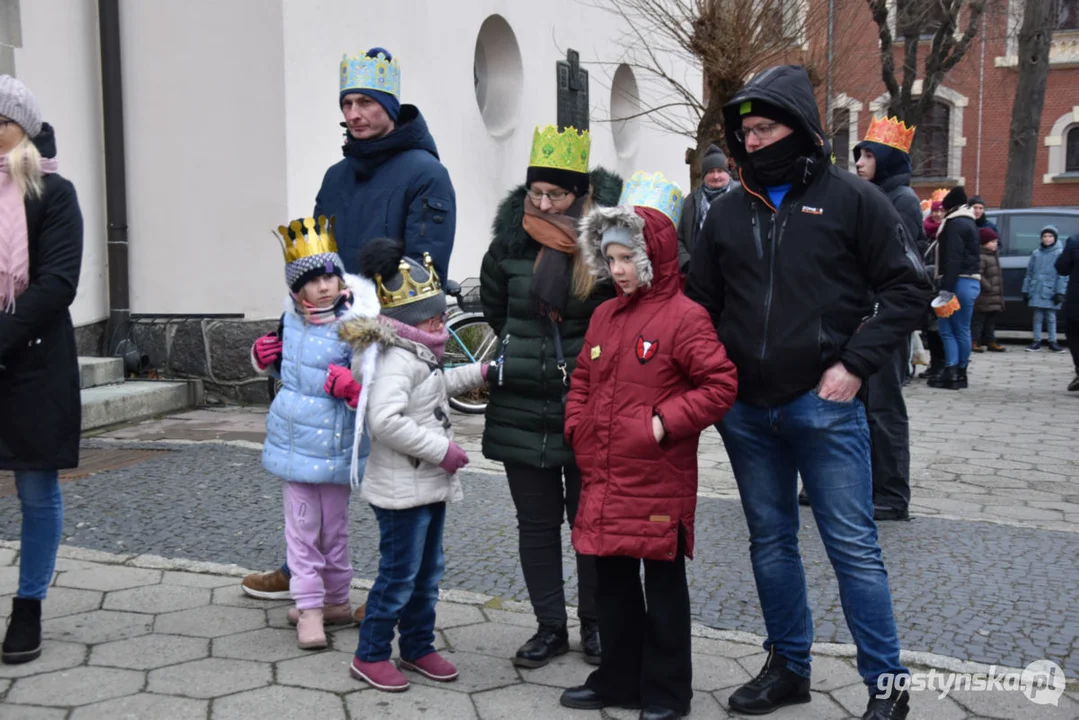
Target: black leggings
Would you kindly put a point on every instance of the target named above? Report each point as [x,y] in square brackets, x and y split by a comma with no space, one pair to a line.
[542,501]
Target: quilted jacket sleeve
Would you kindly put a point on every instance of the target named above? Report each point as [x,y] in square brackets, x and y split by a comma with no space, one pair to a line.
[494,291]
[702,358]
[387,414]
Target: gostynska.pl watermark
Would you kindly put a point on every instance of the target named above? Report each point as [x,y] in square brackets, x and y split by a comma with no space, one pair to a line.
[1042,682]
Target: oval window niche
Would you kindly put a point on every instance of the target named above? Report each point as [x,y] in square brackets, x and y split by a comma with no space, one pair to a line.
[498,76]
[625,112]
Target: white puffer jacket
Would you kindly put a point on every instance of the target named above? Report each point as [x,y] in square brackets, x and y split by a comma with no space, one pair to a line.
[408,419]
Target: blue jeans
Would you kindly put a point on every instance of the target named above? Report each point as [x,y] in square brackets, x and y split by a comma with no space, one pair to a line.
[42,525]
[1049,317]
[955,330]
[828,444]
[405,593]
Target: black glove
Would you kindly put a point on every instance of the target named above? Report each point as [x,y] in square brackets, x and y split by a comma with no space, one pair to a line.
[1057,299]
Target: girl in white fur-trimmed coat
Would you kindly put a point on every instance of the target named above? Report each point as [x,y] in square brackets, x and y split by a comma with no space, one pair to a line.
[411,472]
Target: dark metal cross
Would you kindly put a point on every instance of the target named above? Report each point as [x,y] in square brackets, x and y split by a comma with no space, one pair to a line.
[572,92]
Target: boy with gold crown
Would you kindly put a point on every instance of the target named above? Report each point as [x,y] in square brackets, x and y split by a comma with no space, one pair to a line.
[411,472]
[309,429]
[652,375]
[883,158]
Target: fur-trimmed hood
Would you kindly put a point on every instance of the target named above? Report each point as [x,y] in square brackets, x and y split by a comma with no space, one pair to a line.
[364,299]
[655,240]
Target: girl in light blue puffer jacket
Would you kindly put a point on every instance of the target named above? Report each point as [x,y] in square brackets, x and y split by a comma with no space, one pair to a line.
[310,427]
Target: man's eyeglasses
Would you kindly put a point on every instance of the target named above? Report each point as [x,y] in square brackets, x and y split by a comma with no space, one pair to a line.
[554,196]
[761,132]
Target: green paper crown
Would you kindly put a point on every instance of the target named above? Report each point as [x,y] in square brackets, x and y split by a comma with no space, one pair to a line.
[566,150]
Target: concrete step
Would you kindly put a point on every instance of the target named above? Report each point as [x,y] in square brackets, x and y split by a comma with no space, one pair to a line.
[98,371]
[132,400]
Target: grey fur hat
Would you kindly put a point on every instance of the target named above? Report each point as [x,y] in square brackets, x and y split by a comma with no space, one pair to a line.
[17,103]
[605,225]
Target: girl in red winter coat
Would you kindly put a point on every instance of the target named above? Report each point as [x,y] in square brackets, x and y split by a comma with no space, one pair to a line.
[651,376]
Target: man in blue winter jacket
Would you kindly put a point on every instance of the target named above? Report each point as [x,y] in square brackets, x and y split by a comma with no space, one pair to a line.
[389,184]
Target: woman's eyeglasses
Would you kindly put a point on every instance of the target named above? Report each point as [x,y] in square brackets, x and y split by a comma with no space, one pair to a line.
[554,196]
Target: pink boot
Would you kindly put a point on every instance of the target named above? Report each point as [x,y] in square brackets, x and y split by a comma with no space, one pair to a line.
[331,614]
[382,675]
[309,632]
[433,666]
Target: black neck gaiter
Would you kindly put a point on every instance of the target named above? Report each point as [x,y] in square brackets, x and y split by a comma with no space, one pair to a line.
[775,164]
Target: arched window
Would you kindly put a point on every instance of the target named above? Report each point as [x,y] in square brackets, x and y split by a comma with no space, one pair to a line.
[1071,153]
[929,156]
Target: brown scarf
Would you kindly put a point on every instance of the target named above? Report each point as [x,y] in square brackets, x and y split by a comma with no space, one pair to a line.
[552,273]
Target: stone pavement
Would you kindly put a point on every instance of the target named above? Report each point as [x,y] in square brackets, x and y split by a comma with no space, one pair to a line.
[141,637]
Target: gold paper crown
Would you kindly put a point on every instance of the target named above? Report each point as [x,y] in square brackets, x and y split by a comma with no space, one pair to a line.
[891,132]
[566,150]
[410,290]
[307,236]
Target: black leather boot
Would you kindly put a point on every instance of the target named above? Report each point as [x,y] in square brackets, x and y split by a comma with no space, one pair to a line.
[549,642]
[22,643]
[961,378]
[583,697]
[590,644]
[946,379]
[803,499]
[655,712]
[895,707]
[934,369]
[774,687]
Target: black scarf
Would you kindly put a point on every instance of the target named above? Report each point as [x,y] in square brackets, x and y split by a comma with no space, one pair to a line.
[775,164]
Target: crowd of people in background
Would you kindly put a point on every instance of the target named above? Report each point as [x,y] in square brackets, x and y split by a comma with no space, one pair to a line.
[778,308]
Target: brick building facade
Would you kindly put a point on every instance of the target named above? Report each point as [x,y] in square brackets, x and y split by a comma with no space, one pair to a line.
[964,139]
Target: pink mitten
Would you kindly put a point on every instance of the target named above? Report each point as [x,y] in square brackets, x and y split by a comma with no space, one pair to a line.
[455,459]
[267,350]
[483,370]
[340,384]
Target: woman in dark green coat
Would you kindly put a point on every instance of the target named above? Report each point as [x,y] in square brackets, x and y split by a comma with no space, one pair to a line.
[537,294]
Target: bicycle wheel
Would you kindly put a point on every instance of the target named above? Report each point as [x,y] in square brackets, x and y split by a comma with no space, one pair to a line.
[471,340]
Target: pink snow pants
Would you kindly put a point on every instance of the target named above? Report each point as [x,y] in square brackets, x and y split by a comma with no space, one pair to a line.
[316,531]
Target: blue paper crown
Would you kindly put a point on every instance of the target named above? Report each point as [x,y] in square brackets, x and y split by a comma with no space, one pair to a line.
[654,191]
[360,72]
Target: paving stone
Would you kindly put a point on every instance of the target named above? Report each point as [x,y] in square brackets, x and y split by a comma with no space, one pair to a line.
[492,639]
[517,619]
[566,671]
[1013,704]
[69,565]
[9,580]
[209,678]
[7,556]
[527,701]
[419,703]
[449,615]
[830,673]
[711,672]
[346,639]
[266,645]
[233,596]
[210,622]
[97,627]
[724,648]
[54,656]
[149,652]
[475,673]
[144,706]
[321,671]
[187,579]
[60,602]
[157,599]
[74,687]
[106,578]
[278,701]
[8,712]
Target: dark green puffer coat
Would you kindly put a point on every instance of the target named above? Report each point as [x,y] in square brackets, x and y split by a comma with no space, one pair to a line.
[524,413]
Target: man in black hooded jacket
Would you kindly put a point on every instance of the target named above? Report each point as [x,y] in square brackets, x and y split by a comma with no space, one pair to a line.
[889,168]
[812,286]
